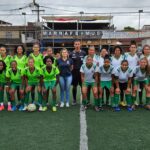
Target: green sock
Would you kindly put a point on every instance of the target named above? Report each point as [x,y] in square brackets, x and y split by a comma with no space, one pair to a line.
[96,102]
[13,102]
[128,99]
[40,98]
[1,96]
[84,102]
[116,100]
[54,102]
[112,102]
[133,99]
[100,102]
[26,98]
[88,96]
[147,100]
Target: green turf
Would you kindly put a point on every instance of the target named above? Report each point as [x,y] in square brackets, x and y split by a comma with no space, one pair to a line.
[123,130]
[40,130]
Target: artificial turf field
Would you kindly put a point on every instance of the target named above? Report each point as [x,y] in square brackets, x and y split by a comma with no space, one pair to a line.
[106,130]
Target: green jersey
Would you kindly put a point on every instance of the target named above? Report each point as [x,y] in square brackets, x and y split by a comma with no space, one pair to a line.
[33,77]
[50,76]
[7,60]
[3,77]
[21,62]
[38,60]
[14,77]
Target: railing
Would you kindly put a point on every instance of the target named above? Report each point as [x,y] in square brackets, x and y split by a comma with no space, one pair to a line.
[93,34]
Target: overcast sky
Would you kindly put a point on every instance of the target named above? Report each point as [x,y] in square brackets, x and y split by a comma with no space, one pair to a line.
[66,7]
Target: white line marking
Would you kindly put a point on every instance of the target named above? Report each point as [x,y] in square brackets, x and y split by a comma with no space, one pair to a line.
[83,129]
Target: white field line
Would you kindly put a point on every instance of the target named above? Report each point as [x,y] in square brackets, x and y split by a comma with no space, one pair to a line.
[83,128]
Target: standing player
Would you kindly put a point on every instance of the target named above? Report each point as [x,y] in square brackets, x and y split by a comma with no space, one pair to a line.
[116,60]
[38,62]
[123,77]
[32,79]
[132,58]
[89,77]
[50,79]
[140,75]
[7,59]
[16,81]
[2,83]
[106,79]
[77,56]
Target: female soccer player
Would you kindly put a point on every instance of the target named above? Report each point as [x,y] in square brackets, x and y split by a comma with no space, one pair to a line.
[20,58]
[65,66]
[16,81]
[7,59]
[89,77]
[38,62]
[140,75]
[32,78]
[2,83]
[50,79]
[123,77]
[106,79]
[116,60]
[49,52]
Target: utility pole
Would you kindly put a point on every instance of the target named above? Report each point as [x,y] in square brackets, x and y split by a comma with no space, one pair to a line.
[37,10]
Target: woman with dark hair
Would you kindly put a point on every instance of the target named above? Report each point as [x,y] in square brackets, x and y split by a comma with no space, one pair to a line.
[19,57]
[49,81]
[2,83]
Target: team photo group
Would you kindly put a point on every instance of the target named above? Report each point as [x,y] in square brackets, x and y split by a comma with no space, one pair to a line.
[117,79]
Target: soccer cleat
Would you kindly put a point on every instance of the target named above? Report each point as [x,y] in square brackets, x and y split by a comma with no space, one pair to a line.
[25,108]
[0,108]
[101,108]
[21,108]
[136,103]
[40,108]
[9,108]
[117,109]
[122,103]
[74,103]
[67,104]
[129,109]
[96,108]
[14,108]
[44,108]
[62,104]
[83,108]
[54,109]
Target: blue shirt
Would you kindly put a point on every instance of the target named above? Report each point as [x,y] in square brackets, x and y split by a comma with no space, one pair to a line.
[65,67]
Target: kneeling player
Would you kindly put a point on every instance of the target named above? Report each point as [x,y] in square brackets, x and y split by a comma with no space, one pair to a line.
[32,79]
[89,77]
[140,77]
[123,77]
[15,78]
[50,79]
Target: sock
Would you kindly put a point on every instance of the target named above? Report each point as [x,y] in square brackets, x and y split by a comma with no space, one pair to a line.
[112,102]
[26,98]
[116,100]
[133,99]
[96,102]
[40,98]
[128,99]
[100,102]
[1,96]
[84,102]
[147,100]
[8,96]
[88,96]
[13,102]
[54,102]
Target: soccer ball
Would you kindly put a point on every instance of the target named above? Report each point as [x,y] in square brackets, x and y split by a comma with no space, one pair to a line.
[31,107]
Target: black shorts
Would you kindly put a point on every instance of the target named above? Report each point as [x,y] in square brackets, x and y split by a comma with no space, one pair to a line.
[123,86]
[76,77]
